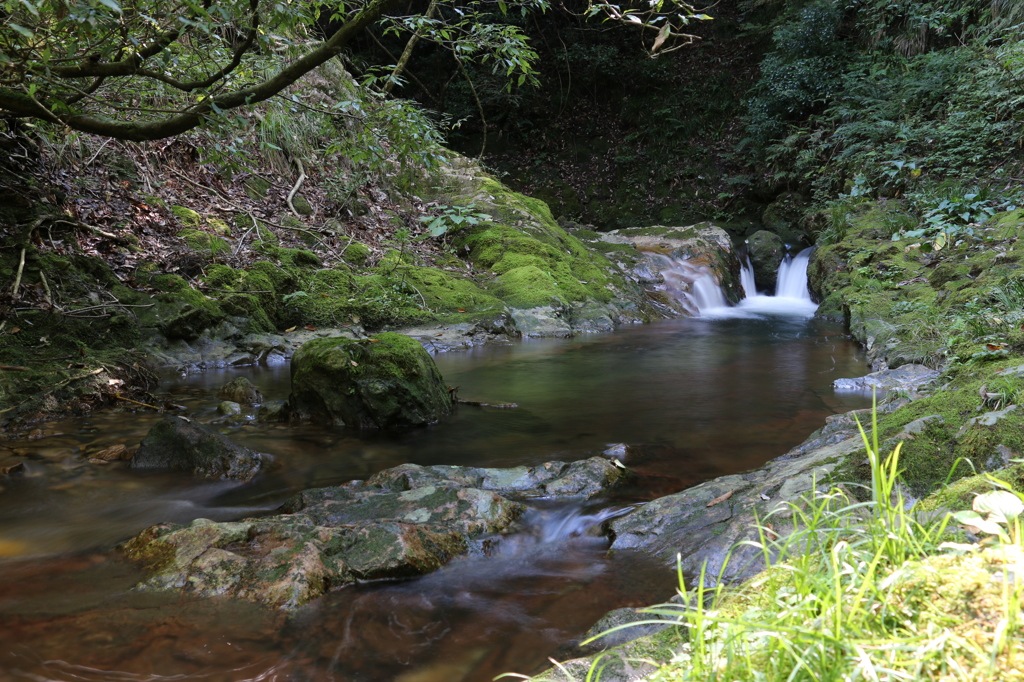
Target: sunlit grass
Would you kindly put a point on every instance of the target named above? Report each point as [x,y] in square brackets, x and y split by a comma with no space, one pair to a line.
[854,591]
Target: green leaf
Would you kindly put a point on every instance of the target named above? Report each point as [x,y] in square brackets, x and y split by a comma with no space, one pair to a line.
[112,5]
[1001,506]
[23,31]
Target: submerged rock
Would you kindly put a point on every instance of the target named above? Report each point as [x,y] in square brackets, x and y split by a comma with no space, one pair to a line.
[241,391]
[273,411]
[182,445]
[401,522]
[385,382]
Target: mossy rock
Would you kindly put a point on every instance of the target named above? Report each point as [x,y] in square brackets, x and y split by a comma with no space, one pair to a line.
[302,205]
[180,445]
[187,217]
[219,226]
[386,382]
[356,253]
[528,287]
[766,251]
[205,243]
[256,187]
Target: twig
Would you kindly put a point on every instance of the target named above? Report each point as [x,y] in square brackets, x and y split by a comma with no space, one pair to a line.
[17,278]
[129,400]
[98,152]
[239,291]
[46,289]
[296,186]
[241,240]
[13,368]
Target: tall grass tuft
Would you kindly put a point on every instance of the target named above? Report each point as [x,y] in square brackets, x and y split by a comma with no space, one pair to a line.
[855,591]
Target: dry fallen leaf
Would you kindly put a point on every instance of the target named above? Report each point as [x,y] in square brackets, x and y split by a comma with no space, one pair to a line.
[461,310]
[721,498]
[289,329]
[354,363]
[310,328]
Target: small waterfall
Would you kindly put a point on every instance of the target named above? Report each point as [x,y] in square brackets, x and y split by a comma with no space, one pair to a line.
[698,291]
[792,282]
[747,278]
[695,287]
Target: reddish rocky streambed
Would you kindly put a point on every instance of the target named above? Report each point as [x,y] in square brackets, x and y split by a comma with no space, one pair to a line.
[693,399]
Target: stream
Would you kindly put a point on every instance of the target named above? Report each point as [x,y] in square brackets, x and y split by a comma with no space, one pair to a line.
[691,398]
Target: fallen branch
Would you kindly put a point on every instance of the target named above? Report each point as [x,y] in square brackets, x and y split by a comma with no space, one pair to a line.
[296,186]
[17,278]
[129,400]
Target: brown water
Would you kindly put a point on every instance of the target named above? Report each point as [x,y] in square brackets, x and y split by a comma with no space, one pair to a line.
[693,398]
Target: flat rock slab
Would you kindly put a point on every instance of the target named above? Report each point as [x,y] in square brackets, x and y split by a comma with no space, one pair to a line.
[906,377]
[401,522]
[702,524]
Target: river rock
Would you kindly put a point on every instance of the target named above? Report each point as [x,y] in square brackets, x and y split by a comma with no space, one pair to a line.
[703,524]
[273,411]
[241,391]
[388,381]
[766,251]
[908,378]
[229,408]
[179,444]
[401,522]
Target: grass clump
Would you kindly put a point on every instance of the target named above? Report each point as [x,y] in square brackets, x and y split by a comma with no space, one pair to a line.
[860,591]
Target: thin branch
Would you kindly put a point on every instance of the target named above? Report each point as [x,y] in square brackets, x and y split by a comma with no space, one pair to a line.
[296,186]
[17,278]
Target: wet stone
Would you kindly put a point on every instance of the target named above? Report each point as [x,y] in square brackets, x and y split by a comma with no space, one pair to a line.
[241,391]
[182,445]
[402,522]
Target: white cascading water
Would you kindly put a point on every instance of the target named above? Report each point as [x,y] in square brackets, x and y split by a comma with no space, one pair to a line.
[747,279]
[700,293]
[792,280]
[792,296]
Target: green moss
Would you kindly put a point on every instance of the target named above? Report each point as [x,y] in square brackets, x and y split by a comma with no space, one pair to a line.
[187,217]
[222,277]
[446,293]
[356,253]
[205,243]
[528,287]
[219,226]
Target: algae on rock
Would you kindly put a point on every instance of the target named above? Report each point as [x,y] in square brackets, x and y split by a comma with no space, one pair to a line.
[388,381]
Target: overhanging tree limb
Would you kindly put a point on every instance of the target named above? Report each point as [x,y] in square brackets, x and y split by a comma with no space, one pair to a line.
[24,103]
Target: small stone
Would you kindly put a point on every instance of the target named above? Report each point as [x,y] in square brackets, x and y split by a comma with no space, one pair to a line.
[616,450]
[11,465]
[229,408]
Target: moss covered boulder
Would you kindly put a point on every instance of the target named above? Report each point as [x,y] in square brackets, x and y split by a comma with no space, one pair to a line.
[241,391]
[179,444]
[766,252]
[388,381]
